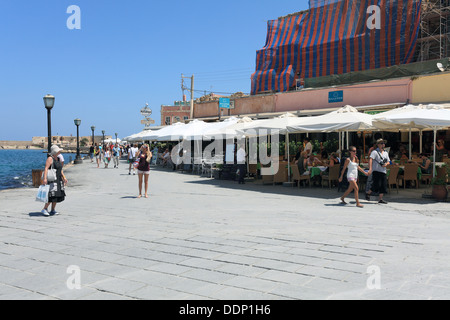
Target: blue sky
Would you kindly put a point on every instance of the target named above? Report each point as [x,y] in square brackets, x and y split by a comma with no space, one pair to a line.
[127,53]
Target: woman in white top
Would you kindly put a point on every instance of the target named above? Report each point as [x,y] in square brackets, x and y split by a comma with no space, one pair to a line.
[352,176]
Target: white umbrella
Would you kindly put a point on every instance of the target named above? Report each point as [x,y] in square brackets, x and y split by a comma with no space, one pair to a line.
[229,132]
[163,133]
[192,131]
[214,127]
[345,119]
[136,137]
[431,116]
[276,125]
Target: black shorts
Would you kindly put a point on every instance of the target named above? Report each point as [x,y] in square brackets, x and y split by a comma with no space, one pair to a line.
[379,182]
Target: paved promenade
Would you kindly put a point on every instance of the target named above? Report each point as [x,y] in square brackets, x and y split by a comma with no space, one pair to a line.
[198,238]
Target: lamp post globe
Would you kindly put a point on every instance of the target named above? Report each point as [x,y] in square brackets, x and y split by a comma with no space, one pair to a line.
[78,159]
[49,102]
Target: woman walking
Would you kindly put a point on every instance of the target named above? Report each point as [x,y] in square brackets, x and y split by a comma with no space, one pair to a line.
[352,176]
[144,156]
[57,193]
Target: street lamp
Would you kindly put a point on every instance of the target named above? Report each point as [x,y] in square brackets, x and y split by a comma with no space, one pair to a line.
[93,136]
[116,136]
[49,102]
[103,141]
[78,159]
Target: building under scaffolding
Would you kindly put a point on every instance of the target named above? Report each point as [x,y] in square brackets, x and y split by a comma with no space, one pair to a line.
[345,41]
[434,41]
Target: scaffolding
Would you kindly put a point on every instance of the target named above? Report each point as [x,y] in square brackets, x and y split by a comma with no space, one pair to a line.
[434,38]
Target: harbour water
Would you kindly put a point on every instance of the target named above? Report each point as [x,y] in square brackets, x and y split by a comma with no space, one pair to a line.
[16,166]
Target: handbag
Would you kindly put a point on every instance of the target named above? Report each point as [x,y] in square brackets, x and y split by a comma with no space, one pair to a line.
[136,164]
[51,174]
[42,195]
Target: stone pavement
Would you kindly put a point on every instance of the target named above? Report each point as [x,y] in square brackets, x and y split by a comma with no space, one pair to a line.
[198,238]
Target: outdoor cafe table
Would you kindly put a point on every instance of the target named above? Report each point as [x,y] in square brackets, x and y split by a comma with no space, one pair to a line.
[315,171]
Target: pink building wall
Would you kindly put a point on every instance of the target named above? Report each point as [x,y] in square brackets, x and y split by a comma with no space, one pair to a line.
[367,94]
[376,93]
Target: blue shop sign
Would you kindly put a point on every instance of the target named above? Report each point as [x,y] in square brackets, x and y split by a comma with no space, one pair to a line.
[335,96]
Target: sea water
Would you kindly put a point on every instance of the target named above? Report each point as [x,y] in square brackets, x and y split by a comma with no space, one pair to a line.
[16,166]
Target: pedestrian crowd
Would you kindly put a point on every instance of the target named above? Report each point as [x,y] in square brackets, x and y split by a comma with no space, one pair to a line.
[140,158]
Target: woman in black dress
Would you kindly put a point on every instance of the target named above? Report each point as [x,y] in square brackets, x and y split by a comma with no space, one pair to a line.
[57,188]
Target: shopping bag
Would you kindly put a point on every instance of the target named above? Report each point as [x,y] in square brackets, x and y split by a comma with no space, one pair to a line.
[136,164]
[42,195]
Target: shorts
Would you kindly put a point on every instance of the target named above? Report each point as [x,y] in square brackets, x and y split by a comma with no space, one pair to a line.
[352,179]
[143,172]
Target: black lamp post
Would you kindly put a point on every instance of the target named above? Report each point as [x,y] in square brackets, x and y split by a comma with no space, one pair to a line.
[93,136]
[103,141]
[116,137]
[78,159]
[49,102]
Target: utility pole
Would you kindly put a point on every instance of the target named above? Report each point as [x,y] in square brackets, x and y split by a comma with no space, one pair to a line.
[192,92]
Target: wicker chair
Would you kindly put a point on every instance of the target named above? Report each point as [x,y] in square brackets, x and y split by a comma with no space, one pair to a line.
[333,175]
[296,176]
[410,174]
[393,176]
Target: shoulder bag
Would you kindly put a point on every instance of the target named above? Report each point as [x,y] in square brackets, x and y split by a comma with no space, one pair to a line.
[51,174]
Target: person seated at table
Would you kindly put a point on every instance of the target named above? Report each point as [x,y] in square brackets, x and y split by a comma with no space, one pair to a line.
[331,163]
[402,153]
[313,161]
[425,166]
[302,164]
[298,154]
[166,157]
[333,159]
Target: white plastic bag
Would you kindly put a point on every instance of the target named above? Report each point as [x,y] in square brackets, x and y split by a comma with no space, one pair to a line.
[42,195]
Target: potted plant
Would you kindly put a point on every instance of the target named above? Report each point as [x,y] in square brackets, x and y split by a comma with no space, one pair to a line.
[439,191]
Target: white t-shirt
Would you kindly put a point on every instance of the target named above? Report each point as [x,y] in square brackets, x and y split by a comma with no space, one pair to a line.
[375,155]
[308,148]
[240,156]
[133,152]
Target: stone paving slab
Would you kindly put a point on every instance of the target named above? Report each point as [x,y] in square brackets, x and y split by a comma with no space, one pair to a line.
[199,238]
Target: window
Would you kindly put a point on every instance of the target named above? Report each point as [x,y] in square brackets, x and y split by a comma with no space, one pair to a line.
[167,121]
[185,118]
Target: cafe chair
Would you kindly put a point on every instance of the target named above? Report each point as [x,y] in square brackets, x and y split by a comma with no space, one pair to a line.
[410,174]
[296,176]
[253,170]
[332,175]
[393,176]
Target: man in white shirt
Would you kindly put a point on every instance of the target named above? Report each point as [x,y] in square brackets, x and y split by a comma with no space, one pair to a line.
[131,158]
[379,160]
[308,146]
[240,159]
